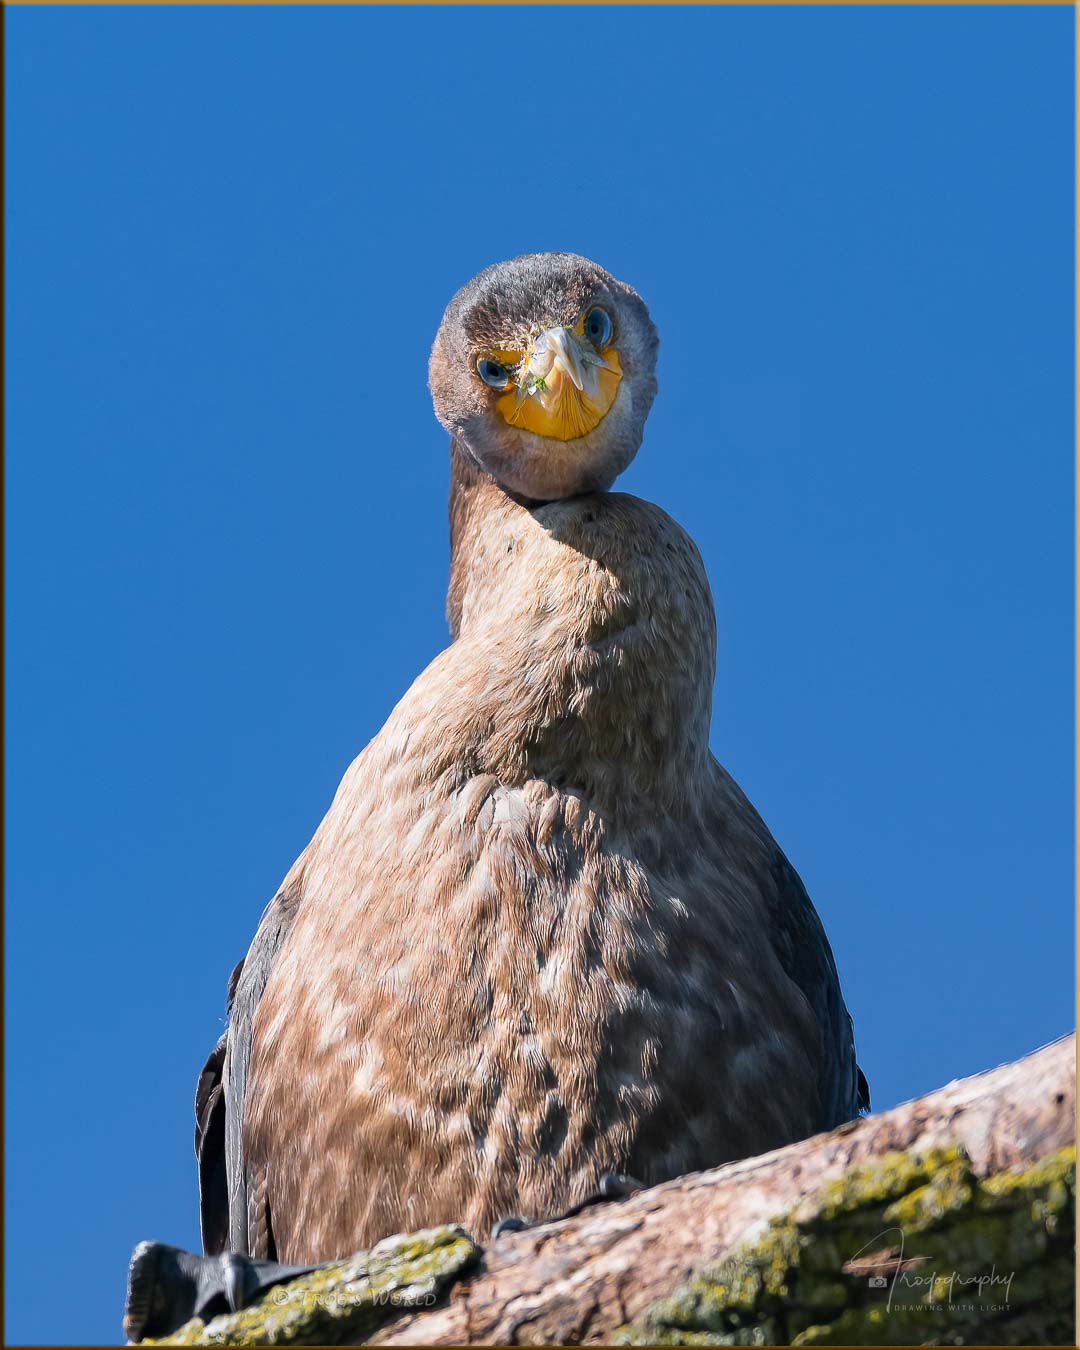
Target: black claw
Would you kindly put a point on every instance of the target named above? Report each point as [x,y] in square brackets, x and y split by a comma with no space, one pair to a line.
[618,1186]
[513,1223]
[611,1186]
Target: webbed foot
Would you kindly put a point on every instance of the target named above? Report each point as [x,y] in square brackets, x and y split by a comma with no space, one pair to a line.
[168,1286]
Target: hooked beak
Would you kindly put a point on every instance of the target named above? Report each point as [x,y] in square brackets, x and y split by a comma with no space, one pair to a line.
[556,351]
[566,387]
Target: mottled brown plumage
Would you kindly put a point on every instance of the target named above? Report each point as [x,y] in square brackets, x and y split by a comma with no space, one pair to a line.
[540,933]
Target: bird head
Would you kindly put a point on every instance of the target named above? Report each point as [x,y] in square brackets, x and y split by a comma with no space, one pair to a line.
[544,370]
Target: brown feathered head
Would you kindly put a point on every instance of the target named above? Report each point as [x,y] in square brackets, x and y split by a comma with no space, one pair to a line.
[544,370]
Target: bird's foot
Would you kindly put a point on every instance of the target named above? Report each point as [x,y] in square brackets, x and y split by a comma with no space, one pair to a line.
[168,1286]
[612,1186]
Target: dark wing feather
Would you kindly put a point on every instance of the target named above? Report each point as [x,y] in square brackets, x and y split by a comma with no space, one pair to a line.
[807,959]
[210,1140]
[219,1092]
[210,1152]
[274,928]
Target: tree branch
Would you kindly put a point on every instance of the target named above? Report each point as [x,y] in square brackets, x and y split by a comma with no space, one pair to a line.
[579,1280]
[949,1220]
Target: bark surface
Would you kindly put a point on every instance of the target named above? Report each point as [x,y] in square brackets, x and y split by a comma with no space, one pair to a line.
[949,1219]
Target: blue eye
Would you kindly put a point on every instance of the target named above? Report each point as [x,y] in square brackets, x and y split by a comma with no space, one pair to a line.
[598,327]
[492,373]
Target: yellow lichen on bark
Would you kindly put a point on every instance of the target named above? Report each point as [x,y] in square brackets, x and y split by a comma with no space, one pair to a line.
[909,1249]
[345,1302]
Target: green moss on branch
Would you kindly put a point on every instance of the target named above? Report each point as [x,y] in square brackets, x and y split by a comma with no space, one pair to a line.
[909,1249]
[346,1302]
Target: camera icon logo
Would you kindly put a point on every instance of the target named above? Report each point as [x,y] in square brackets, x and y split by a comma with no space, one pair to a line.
[878,1282]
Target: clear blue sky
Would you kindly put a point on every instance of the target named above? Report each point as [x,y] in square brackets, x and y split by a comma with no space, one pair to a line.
[231,236]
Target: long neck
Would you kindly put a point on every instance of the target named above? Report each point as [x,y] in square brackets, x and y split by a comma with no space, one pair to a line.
[475,499]
[585,643]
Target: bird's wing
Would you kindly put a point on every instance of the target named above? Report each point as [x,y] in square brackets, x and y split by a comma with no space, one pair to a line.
[219,1093]
[210,1151]
[804,953]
